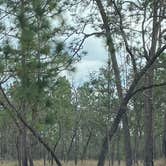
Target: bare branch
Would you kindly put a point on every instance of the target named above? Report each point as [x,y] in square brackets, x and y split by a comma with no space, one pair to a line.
[125,39]
[143,35]
[148,87]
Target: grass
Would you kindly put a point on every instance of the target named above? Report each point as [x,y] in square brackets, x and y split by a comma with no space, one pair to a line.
[85,163]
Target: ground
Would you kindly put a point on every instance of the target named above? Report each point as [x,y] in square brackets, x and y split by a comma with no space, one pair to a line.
[85,163]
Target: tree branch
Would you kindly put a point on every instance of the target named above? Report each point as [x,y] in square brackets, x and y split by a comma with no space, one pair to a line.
[148,87]
[125,39]
[10,106]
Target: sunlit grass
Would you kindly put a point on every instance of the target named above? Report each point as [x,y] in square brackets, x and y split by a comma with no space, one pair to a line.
[84,163]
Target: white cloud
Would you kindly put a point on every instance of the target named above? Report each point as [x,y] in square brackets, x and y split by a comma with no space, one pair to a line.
[83,69]
[96,58]
[96,49]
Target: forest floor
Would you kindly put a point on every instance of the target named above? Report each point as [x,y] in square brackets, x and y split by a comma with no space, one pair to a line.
[85,163]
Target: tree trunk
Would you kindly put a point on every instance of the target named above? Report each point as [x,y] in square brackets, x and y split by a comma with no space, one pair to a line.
[55,146]
[86,146]
[111,49]
[29,150]
[118,148]
[71,143]
[18,145]
[148,121]
[24,156]
[112,153]
[103,152]
[148,149]
[164,137]
[137,130]
[127,142]
[44,157]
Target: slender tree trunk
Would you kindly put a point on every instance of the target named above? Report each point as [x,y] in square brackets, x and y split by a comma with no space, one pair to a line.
[44,157]
[148,121]
[86,146]
[24,147]
[18,145]
[103,152]
[71,144]
[76,150]
[112,153]
[137,133]
[72,139]
[164,137]
[29,138]
[8,105]
[55,146]
[148,149]
[127,142]
[118,148]
[111,49]
[109,148]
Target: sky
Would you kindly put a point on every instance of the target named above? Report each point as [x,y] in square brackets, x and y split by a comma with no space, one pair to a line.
[96,57]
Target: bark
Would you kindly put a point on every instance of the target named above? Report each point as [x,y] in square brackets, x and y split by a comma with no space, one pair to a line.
[5,102]
[137,137]
[118,148]
[148,122]
[130,92]
[71,143]
[112,153]
[75,130]
[148,149]
[111,48]
[55,146]
[24,156]
[122,108]
[127,142]
[86,146]
[76,143]
[29,138]
[18,150]
[44,158]
[103,152]
[164,137]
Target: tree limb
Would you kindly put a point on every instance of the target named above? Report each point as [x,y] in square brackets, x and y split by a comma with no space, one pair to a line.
[148,87]
[125,39]
[10,106]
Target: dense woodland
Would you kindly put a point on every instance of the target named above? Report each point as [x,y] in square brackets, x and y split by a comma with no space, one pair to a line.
[118,115]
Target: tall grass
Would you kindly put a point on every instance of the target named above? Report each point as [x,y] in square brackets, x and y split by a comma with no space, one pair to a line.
[84,163]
